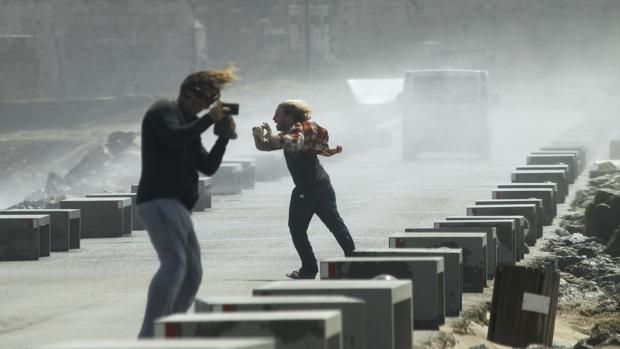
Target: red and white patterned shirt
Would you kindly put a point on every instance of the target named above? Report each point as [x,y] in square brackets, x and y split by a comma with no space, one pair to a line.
[306,136]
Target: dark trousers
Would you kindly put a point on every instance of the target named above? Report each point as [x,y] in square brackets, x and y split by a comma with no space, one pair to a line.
[322,201]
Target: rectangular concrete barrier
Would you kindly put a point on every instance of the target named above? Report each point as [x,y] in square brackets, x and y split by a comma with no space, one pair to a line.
[559,167]
[581,149]
[569,157]
[65,226]
[530,185]
[492,242]
[248,171]
[131,224]
[526,210]
[428,291]
[453,269]
[388,305]
[353,310]
[24,237]
[541,213]
[227,180]
[203,202]
[474,247]
[320,329]
[219,343]
[545,194]
[541,176]
[267,166]
[101,217]
[506,235]
[521,224]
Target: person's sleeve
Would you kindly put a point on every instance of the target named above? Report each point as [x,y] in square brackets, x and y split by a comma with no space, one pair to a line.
[267,144]
[209,162]
[292,141]
[167,126]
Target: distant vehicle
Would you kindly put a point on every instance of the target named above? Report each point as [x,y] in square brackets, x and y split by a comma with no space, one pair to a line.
[445,110]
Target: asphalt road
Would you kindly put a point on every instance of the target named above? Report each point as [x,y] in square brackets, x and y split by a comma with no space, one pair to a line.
[99,291]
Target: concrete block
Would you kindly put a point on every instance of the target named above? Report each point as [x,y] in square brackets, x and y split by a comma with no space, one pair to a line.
[388,303]
[227,180]
[526,210]
[353,310]
[320,329]
[101,217]
[570,159]
[428,291]
[545,194]
[522,227]
[474,247]
[506,235]
[219,343]
[492,242]
[24,237]
[549,185]
[65,226]
[541,214]
[541,176]
[268,166]
[129,224]
[248,171]
[453,269]
[201,202]
[208,191]
[582,149]
[561,167]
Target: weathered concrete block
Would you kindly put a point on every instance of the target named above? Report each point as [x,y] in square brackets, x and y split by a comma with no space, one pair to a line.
[526,210]
[24,237]
[208,191]
[569,157]
[227,180]
[474,247]
[506,235]
[559,167]
[541,176]
[65,226]
[453,269]
[203,343]
[581,149]
[388,304]
[530,185]
[428,292]
[268,166]
[492,242]
[541,214]
[545,194]
[128,224]
[320,329]
[101,217]
[567,162]
[522,227]
[353,310]
[248,171]
[201,202]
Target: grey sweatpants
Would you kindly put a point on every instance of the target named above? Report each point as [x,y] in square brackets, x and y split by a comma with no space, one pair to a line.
[174,286]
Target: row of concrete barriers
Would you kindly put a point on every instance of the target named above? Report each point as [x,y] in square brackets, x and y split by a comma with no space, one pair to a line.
[454,256]
[28,234]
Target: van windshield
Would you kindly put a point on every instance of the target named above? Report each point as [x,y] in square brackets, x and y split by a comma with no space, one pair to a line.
[445,89]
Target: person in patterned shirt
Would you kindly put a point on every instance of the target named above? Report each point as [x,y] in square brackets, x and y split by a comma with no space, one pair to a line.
[302,140]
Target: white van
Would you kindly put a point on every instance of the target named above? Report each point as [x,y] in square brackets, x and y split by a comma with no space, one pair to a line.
[445,110]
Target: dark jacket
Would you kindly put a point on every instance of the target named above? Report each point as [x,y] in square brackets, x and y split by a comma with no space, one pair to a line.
[172,153]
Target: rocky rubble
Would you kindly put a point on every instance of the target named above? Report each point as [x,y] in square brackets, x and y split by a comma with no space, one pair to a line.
[585,252]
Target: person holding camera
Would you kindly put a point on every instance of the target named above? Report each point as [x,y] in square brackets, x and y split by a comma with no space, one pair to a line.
[172,153]
[302,140]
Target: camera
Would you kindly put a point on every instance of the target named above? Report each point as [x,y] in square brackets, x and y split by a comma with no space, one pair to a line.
[230,108]
[223,128]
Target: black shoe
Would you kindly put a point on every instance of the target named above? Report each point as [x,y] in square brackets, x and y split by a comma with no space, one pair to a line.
[297,275]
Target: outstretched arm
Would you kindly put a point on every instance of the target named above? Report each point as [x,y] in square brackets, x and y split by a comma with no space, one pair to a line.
[209,162]
[265,142]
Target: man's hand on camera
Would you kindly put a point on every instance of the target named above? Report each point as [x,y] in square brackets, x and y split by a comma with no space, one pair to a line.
[216,113]
[225,128]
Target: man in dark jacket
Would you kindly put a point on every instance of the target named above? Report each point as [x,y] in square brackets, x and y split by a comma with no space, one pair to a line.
[172,153]
[302,140]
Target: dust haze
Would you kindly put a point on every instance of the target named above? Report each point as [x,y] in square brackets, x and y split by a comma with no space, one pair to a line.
[74,72]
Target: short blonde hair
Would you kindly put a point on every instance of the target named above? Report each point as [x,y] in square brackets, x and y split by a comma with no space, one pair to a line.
[298,109]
